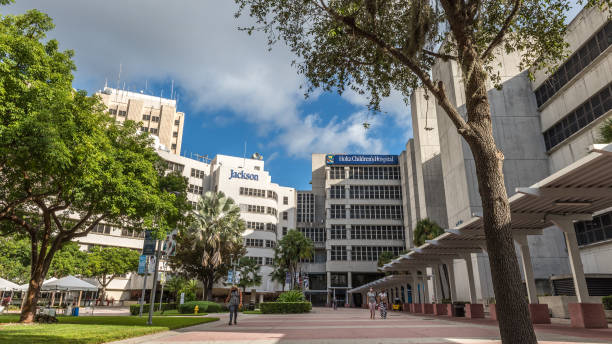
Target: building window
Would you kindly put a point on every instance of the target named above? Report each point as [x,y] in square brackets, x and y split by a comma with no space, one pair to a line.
[583,56]
[271,227]
[371,253]
[285,200]
[284,231]
[112,111]
[374,172]
[272,195]
[146,117]
[248,242]
[122,113]
[153,131]
[336,172]
[155,118]
[177,121]
[197,173]
[175,134]
[144,129]
[366,211]
[305,207]
[376,192]
[270,244]
[172,166]
[337,232]
[256,168]
[252,192]
[599,229]
[338,253]
[173,146]
[377,232]
[337,191]
[258,260]
[258,226]
[337,211]
[314,234]
[195,189]
[271,211]
[269,261]
[258,209]
[285,215]
[583,115]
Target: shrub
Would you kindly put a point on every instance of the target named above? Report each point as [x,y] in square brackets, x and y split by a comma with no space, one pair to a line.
[135,309]
[45,319]
[291,296]
[203,307]
[607,302]
[285,307]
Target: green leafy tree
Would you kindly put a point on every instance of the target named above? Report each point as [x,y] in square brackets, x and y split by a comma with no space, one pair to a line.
[290,249]
[385,257]
[174,285]
[69,260]
[375,46]
[605,132]
[248,270]
[15,259]
[107,263]
[279,274]
[425,229]
[206,248]
[66,165]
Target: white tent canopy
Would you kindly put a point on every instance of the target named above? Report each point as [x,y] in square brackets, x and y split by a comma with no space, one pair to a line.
[7,285]
[24,287]
[68,283]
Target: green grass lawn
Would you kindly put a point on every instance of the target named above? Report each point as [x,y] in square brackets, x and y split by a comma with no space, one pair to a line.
[87,329]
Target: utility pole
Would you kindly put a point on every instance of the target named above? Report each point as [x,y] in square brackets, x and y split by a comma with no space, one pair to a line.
[152,300]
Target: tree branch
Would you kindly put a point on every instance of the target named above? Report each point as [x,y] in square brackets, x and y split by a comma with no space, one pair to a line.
[502,32]
[444,57]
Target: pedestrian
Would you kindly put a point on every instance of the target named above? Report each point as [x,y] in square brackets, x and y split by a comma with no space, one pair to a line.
[383,303]
[372,303]
[234,302]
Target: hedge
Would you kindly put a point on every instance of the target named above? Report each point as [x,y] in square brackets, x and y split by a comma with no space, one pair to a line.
[135,309]
[607,302]
[285,307]
[203,307]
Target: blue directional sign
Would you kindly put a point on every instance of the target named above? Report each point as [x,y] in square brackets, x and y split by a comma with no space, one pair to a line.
[142,264]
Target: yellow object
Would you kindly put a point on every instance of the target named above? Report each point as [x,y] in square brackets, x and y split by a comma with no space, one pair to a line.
[195,310]
[396,307]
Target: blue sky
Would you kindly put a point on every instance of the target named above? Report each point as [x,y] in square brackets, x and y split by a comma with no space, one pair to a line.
[231,88]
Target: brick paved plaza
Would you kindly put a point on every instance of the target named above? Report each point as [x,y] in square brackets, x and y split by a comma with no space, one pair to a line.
[352,326]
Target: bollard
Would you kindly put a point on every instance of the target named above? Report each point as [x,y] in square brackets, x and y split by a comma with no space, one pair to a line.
[195,309]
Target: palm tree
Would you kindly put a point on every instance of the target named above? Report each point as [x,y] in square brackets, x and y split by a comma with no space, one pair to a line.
[605,132]
[426,229]
[279,274]
[290,249]
[217,227]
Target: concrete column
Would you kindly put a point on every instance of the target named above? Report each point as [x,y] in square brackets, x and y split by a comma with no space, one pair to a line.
[425,288]
[406,293]
[414,287]
[328,286]
[470,270]
[567,226]
[527,268]
[450,266]
[349,281]
[261,298]
[435,283]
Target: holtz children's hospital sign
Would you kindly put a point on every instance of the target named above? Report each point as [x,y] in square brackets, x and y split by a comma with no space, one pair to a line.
[356,159]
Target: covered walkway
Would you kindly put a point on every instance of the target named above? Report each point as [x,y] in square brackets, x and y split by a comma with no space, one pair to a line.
[575,193]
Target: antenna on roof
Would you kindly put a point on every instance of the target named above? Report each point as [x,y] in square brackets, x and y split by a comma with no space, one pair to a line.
[118,82]
[105,82]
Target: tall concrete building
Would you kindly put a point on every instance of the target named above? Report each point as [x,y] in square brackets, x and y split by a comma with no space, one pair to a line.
[573,102]
[158,115]
[358,204]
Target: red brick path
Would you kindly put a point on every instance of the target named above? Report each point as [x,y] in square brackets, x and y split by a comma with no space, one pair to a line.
[353,326]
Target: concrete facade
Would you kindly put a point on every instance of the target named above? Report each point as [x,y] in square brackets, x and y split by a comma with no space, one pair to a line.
[158,115]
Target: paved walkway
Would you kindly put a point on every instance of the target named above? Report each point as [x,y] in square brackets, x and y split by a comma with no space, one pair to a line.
[353,326]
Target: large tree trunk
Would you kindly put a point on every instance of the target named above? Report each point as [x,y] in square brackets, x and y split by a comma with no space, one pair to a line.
[31,299]
[513,313]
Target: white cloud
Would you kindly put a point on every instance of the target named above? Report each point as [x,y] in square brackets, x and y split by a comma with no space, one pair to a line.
[196,43]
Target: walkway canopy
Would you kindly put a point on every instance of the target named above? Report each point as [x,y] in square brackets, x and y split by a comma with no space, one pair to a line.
[68,283]
[575,193]
[8,285]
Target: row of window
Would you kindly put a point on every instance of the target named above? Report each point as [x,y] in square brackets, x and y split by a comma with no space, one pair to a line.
[366,172]
[262,260]
[373,232]
[259,209]
[338,253]
[314,234]
[588,52]
[249,242]
[194,205]
[371,253]
[599,229]
[305,207]
[150,130]
[197,173]
[121,113]
[366,211]
[252,192]
[151,118]
[172,166]
[103,228]
[375,192]
[260,226]
[337,232]
[583,115]
[195,189]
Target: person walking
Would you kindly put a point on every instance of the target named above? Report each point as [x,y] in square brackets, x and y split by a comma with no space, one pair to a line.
[234,302]
[383,303]
[372,303]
